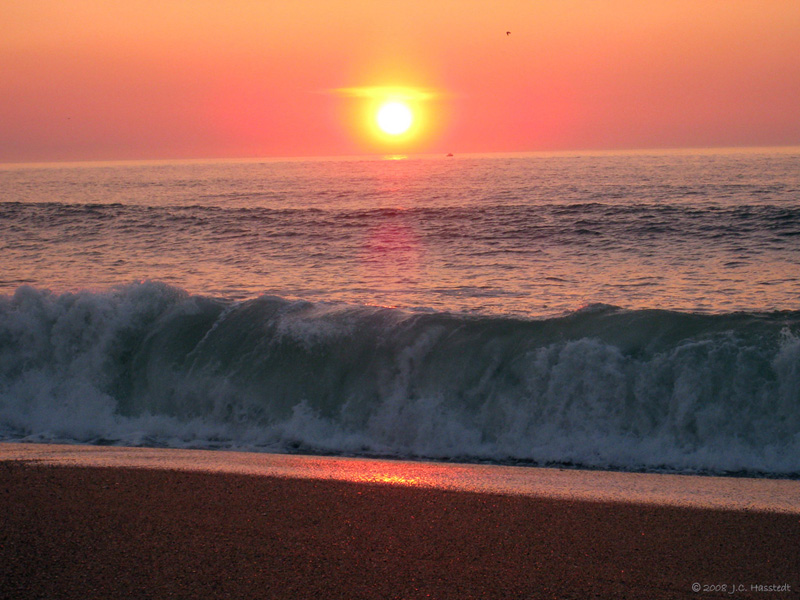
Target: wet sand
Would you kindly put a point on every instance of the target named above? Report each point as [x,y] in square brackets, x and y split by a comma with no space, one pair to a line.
[113,532]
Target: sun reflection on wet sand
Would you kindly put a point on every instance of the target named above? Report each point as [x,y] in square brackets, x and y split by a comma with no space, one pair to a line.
[774,495]
[390,479]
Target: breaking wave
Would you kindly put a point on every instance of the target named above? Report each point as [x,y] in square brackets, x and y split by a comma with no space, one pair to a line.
[603,387]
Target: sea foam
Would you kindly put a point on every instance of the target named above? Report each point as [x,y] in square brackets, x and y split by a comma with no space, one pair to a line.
[149,364]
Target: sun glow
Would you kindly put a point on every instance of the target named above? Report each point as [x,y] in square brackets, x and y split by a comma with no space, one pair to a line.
[394,118]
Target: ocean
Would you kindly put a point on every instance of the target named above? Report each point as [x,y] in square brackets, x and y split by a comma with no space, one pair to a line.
[632,311]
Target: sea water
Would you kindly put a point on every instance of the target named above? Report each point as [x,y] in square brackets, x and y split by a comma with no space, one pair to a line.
[630,311]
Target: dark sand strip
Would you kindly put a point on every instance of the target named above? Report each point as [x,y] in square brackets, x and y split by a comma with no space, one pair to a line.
[85,533]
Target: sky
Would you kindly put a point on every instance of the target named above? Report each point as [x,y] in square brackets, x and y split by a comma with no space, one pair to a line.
[142,79]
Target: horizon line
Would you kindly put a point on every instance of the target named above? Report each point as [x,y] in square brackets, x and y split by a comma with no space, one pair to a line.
[790,148]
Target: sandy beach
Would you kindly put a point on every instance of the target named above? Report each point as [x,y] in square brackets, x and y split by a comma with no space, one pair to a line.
[116,532]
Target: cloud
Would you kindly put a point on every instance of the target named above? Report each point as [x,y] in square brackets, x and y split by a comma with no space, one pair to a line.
[379,92]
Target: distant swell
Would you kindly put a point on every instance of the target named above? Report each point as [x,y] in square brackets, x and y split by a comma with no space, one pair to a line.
[149,364]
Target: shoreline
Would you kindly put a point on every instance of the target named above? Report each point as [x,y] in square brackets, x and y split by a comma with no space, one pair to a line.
[664,489]
[130,532]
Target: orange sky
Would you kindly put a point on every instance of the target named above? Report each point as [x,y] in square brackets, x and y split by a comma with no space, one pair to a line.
[128,79]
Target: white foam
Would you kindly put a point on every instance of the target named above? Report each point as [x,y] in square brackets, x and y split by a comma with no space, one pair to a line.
[149,365]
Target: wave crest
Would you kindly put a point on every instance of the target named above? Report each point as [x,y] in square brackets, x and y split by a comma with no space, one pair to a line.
[603,387]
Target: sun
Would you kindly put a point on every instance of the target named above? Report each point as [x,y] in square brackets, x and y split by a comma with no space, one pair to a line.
[394,117]
[400,118]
